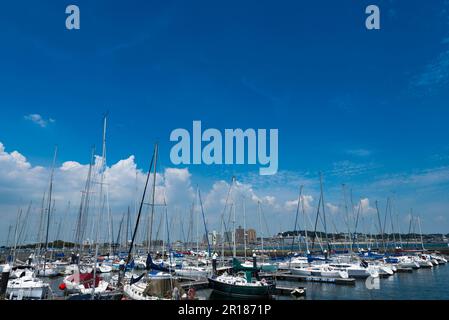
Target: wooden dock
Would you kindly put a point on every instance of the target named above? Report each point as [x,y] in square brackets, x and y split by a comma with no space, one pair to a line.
[195,285]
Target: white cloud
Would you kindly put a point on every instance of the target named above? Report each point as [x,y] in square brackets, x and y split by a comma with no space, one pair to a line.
[21,182]
[39,120]
[333,209]
[292,205]
[365,207]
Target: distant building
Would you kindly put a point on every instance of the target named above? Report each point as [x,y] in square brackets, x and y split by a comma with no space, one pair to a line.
[251,236]
[239,235]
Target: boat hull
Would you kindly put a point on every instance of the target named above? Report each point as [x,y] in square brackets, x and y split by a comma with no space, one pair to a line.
[242,292]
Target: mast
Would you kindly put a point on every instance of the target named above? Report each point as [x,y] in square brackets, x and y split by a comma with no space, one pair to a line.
[420,232]
[244,226]
[40,232]
[84,205]
[95,271]
[140,211]
[103,195]
[380,226]
[296,218]
[233,233]
[197,221]
[392,224]
[399,230]
[385,225]
[19,215]
[205,225]
[223,223]
[305,225]
[168,234]
[49,205]
[127,230]
[324,211]
[118,242]
[356,223]
[152,198]
[260,224]
[409,227]
[347,217]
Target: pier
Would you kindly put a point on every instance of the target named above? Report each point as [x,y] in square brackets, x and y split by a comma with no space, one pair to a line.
[287,291]
[297,278]
[200,284]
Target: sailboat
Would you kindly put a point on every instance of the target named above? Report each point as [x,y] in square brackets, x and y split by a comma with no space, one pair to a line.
[83,283]
[354,270]
[241,284]
[43,268]
[193,269]
[152,285]
[26,285]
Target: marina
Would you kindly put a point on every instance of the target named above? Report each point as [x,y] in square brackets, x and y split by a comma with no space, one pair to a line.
[421,283]
[144,264]
[224,159]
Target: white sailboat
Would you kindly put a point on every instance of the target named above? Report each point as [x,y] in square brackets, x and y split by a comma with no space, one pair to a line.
[295,262]
[136,291]
[356,270]
[424,261]
[193,272]
[84,284]
[408,262]
[322,270]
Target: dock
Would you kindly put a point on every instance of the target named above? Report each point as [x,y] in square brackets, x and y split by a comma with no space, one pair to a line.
[286,291]
[195,285]
[297,278]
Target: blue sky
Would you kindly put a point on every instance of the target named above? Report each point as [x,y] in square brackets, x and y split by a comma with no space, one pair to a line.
[368,108]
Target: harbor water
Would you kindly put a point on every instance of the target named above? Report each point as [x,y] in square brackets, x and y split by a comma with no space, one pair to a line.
[421,284]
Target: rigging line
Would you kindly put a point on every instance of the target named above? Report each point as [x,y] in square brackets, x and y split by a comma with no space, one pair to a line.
[385,223]
[50,200]
[316,223]
[140,212]
[347,217]
[204,221]
[392,223]
[296,219]
[357,221]
[25,220]
[156,148]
